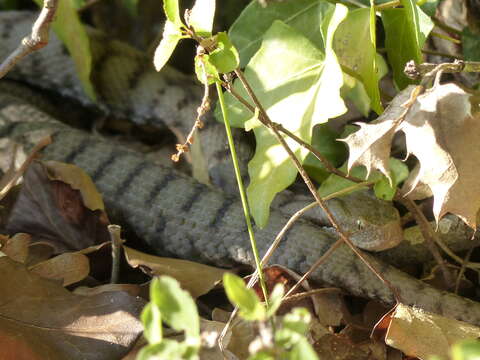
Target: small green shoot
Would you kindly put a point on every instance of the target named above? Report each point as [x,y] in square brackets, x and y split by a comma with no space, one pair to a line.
[168,302]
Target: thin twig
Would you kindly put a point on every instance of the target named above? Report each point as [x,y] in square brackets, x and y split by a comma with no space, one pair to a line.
[293,219]
[427,230]
[116,241]
[463,268]
[37,39]
[439,53]
[11,182]
[328,165]
[312,188]
[201,110]
[415,71]
[306,294]
[320,261]
[445,27]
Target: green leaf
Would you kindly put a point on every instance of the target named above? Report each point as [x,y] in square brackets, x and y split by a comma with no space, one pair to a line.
[203,68]
[275,299]
[466,350]
[385,191]
[302,350]
[167,349]
[71,31]
[247,301]
[176,305]
[152,323]
[406,31]
[324,140]
[172,12]
[399,172]
[356,51]
[170,39]
[298,320]
[303,15]
[299,92]
[354,91]
[225,56]
[201,17]
[470,45]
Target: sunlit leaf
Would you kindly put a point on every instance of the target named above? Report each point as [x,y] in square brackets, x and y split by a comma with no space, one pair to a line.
[201,17]
[170,39]
[406,31]
[73,34]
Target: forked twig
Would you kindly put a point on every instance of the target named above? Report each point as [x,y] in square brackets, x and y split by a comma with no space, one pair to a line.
[343,236]
[37,39]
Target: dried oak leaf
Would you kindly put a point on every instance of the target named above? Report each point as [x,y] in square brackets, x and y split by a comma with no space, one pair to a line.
[69,217]
[370,145]
[443,134]
[39,319]
[421,334]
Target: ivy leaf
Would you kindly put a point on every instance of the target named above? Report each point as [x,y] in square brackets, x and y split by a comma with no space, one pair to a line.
[176,306]
[324,140]
[172,12]
[170,39]
[203,67]
[406,31]
[304,16]
[247,301]
[225,57]
[356,51]
[152,323]
[308,82]
[71,31]
[201,17]
[383,188]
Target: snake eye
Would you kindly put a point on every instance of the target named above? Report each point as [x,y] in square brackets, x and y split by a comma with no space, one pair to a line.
[360,224]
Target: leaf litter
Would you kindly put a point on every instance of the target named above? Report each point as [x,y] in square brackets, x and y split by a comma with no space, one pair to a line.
[79,228]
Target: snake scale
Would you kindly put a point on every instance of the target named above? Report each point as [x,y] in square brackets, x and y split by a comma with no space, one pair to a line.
[178,216]
[172,212]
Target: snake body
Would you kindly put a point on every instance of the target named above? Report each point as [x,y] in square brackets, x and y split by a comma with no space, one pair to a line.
[178,216]
[173,213]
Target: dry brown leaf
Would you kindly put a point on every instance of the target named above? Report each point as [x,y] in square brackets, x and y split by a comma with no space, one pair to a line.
[443,134]
[131,289]
[370,145]
[16,247]
[39,319]
[69,268]
[197,279]
[422,334]
[38,252]
[51,211]
[78,180]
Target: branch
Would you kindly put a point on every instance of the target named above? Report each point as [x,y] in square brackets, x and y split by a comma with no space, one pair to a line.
[343,236]
[416,71]
[37,39]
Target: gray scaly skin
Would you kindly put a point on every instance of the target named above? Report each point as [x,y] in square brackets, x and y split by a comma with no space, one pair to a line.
[178,216]
[127,87]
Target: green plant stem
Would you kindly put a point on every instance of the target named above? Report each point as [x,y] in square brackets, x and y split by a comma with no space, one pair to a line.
[445,37]
[243,195]
[387,5]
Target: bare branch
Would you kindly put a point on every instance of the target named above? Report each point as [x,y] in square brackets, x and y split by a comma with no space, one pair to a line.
[37,39]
